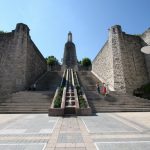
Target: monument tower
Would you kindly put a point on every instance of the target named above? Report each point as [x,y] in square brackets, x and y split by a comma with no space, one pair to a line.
[70,57]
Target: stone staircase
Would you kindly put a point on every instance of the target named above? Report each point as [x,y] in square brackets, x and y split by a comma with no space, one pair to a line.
[114,102]
[49,81]
[27,102]
[33,101]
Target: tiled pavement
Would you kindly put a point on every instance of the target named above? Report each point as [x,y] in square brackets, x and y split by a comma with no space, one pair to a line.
[106,131]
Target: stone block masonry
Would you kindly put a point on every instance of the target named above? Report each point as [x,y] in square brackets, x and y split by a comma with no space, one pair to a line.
[21,63]
[146,41]
[120,63]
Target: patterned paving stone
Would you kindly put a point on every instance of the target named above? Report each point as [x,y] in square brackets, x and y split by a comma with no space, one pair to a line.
[130,145]
[70,138]
[105,123]
[26,146]
[136,118]
[30,124]
[109,131]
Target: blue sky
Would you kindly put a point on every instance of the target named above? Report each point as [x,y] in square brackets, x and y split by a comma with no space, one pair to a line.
[88,20]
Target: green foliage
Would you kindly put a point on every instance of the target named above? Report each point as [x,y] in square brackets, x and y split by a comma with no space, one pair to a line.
[79,91]
[86,62]
[51,60]
[82,102]
[143,91]
[1,31]
[57,102]
[79,62]
[146,88]
[137,34]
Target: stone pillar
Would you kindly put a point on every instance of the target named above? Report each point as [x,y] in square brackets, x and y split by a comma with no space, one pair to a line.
[20,54]
[116,44]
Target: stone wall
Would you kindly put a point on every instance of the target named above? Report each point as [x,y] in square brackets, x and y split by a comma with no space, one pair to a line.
[102,66]
[7,63]
[120,63]
[146,41]
[135,70]
[21,63]
[36,63]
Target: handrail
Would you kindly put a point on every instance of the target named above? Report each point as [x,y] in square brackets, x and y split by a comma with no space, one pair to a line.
[72,77]
[56,93]
[75,90]
[77,78]
[108,85]
[83,93]
[63,78]
[41,77]
[64,91]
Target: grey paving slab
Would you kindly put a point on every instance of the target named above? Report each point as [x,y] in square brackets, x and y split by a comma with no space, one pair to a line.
[139,118]
[70,138]
[26,146]
[130,145]
[30,124]
[105,123]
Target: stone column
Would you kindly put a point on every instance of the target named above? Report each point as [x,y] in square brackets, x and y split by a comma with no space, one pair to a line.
[116,44]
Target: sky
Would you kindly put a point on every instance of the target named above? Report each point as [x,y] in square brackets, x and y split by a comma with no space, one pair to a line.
[88,20]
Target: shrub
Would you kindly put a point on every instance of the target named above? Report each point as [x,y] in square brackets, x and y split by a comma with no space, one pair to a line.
[82,102]
[146,88]
[143,91]
[79,91]
[57,102]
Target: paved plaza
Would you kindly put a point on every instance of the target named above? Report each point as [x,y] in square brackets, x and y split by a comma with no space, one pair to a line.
[104,131]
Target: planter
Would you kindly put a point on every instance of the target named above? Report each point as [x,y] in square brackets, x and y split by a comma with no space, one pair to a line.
[84,111]
[56,112]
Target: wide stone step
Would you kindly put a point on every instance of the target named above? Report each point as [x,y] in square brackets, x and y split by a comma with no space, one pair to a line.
[27,102]
[24,104]
[117,102]
[9,105]
[23,111]
[118,106]
[121,110]
[121,106]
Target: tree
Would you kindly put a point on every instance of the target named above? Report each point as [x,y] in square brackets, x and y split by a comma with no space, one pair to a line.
[51,61]
[2,31]
[86,62]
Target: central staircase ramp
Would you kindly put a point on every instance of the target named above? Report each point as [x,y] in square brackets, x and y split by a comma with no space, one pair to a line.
[69,97]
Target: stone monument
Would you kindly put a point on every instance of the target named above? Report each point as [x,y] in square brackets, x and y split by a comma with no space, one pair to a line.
[70,57]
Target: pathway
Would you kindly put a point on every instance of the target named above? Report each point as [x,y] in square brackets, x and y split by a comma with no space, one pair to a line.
[106,131]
